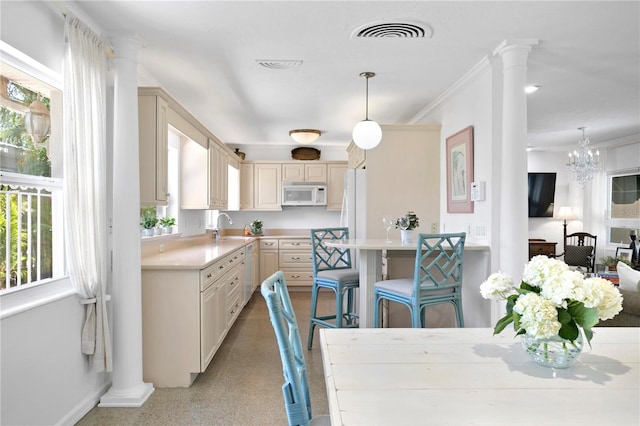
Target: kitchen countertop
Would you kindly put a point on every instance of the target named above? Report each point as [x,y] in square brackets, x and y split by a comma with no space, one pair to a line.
[198,252]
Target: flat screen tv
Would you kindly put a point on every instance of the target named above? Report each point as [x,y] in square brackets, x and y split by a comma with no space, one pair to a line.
[542,188]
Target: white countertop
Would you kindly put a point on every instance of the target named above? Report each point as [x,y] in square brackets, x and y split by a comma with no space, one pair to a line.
[462,376]
[196,256]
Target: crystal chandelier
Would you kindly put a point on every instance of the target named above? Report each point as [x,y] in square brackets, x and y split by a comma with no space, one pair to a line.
[583,163]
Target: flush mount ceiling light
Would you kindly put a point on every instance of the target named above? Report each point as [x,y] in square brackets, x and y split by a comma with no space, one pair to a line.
[37,121]
[305,136]
[531,89]
[367,133]
[583,163]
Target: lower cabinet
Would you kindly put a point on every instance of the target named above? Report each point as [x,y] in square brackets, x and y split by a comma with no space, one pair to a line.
[296,262]
[186,315]
[268,257]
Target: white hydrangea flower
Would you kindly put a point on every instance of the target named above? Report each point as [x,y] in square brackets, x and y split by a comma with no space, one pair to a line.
[540,268]
[538,316]
[610,303]
[560,287]
[497,286]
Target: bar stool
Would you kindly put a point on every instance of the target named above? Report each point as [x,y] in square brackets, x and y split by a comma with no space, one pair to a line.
[332,270]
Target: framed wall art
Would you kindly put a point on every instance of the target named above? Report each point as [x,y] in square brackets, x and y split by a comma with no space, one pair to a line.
[460,171]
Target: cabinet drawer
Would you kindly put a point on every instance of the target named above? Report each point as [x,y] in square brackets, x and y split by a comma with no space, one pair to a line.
[294,259]
[298,277]
[295,244]
[210,274]
[266,244]
[233,283]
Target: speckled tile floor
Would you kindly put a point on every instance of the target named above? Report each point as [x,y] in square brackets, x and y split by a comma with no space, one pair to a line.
[241,386]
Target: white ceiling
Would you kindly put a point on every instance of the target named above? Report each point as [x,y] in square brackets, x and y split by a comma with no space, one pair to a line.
[204,54]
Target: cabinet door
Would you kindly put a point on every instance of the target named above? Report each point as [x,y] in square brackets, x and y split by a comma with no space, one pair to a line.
[268,263]
[293,172]
[315,172]
[246,186]
[212,321]
[267,187]
[153,145]
[335,185]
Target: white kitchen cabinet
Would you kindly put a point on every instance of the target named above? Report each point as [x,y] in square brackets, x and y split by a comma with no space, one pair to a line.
[246,186]
[304,172]
[357,156]
[335,185]
[153,131]
[218,180]
[268,257]
[186,313]
[295,261]
[267,189]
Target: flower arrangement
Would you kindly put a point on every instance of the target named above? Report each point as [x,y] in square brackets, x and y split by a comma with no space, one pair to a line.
[552,300]
[408,221]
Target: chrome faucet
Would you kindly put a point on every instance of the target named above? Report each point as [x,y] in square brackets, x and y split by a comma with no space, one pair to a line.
[217,228]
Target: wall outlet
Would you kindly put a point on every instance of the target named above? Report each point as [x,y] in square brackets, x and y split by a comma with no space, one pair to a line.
[434,228]
[161,248]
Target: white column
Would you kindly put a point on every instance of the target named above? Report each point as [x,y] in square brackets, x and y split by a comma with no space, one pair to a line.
[128,388]
[514,226]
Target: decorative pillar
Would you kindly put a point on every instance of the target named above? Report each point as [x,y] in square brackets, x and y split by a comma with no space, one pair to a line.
[514,225]
[127,388]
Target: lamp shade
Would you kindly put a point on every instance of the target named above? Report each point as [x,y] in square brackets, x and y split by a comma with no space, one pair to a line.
[37,121]
[304,136]
[367,134]
[565,213]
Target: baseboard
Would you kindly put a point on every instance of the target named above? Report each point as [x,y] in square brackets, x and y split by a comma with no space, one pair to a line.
[86,405]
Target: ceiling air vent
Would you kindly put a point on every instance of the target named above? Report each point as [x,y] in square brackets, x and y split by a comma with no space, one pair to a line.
[278,64]
[394,30]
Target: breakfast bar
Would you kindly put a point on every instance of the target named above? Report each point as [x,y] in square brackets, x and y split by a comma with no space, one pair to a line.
[475,270]
[462,376]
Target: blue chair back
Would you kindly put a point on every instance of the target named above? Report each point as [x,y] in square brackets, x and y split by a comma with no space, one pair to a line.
[438,261]
[329,258]
[296,387]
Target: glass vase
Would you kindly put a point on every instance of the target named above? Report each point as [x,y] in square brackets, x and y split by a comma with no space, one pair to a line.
[554,352]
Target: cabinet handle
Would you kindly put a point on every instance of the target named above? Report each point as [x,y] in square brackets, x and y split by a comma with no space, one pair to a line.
[295,244]
[209,275]
[295,276]
[221,267]
[295,257]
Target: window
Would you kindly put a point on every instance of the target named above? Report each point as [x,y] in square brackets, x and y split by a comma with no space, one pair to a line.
[31,239]
[624,207]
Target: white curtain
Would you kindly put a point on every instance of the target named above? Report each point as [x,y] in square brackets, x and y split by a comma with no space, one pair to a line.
[84,99]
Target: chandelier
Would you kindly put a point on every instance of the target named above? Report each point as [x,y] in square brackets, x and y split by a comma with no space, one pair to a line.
[583,163]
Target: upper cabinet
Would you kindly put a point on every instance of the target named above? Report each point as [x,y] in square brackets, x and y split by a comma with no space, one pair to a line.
[153,145]
[357,156]
[335,185]
[218,168]
[267,186]
[295,172]
[261,182]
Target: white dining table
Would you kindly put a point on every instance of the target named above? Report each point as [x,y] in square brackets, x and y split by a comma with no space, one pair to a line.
[464,376]
[370,267]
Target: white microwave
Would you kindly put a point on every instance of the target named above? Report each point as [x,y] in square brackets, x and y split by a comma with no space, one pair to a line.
[304,194]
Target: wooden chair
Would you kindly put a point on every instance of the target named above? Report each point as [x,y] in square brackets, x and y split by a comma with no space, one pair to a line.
[332,270]
[296,386]
[580,250]
[437,279]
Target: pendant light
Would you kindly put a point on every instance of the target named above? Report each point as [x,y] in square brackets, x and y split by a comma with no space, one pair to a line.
[367,133]
[37,121]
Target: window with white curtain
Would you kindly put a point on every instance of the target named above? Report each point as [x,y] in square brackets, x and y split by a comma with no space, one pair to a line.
[31,227]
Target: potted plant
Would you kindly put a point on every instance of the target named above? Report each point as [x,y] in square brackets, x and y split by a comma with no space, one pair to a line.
[167,224]
[407,224]
[148,222]
[610,262]
[256,227]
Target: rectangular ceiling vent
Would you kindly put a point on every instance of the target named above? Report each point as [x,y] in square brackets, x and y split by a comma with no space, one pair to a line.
[394,30]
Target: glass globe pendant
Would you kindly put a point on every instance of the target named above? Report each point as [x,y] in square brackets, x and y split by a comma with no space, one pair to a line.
[367,134]
[37,121]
